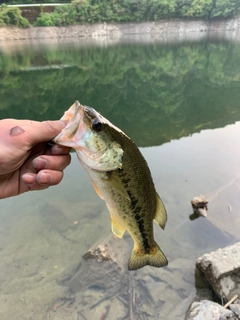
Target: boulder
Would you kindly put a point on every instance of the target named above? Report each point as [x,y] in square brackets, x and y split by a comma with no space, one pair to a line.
[235,308]
[222,270]
[200,205]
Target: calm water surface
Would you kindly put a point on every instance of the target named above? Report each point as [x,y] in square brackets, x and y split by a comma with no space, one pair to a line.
[179,101]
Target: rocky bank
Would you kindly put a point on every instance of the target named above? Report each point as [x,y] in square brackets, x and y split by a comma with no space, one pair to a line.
[222,271]
[161,28]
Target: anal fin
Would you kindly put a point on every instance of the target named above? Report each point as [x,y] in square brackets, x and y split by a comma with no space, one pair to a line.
[161,213]
[117,229]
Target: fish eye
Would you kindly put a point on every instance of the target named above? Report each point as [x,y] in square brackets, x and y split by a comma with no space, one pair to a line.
[96,125]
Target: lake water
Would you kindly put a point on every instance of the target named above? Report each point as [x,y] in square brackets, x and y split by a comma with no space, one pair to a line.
[179,100]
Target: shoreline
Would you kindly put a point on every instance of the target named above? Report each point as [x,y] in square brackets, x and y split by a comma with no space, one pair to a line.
[116,30]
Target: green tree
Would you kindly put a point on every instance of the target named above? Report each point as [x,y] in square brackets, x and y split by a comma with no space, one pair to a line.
[199,8]
[225,8]
[12,16]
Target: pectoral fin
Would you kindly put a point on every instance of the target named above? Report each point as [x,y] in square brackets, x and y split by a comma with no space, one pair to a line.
[117,229]
[99,193]
[117,184]
[161,214]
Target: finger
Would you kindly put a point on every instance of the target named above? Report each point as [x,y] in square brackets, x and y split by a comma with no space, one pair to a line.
[57,149]
[29,178]
[58,163]
[31,132]
[43,131]
[42,179]
[49,177]
[30,183]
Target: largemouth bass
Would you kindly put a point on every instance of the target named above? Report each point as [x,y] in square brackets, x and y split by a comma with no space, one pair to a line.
[120,175]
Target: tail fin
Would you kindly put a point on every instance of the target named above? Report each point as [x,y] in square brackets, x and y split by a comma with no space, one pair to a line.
[155,258]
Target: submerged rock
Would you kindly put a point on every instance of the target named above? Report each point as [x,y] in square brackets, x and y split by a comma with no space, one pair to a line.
[222,270]
[101,287]
[208,310]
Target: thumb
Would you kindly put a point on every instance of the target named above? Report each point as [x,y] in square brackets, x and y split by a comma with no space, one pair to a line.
[37,132]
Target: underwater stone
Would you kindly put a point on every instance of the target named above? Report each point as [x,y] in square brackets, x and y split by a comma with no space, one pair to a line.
[207,310]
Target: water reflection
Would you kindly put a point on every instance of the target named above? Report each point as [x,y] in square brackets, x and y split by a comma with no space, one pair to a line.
[157,92]
[171,91]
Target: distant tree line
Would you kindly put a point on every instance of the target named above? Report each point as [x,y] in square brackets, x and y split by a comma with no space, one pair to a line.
[9,2]
[92,11]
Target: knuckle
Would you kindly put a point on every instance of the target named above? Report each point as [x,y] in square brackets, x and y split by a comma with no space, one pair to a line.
[49,125]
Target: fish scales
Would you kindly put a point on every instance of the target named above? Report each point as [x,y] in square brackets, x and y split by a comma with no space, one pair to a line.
[121,177]
[140,210]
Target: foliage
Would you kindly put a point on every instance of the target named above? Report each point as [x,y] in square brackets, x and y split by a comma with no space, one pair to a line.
[33,1]
[225,8]
[11,16]
[62,16]
[199,8]
[92,11]
[44,20]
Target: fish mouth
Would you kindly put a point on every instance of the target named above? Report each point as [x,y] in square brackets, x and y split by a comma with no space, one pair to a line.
[70,134]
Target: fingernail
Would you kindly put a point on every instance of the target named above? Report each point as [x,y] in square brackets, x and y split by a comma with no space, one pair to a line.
[40,163]
[29,178]
[44,178]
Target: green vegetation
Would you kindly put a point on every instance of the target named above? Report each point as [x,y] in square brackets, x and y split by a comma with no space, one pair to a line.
[155,93]
[33,1]
[62,16]
[92,11]
[11,16]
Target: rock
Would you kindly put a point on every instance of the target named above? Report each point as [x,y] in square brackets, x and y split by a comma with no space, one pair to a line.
[222,270]
[101,287]
[99,254]
[235,308]
[162,27]
[200,205]
[208,310]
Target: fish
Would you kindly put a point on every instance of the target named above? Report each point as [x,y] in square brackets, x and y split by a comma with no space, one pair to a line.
[121,177]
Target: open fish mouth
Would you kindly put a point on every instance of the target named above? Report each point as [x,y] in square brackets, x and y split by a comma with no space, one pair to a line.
[80,135]
[71,134]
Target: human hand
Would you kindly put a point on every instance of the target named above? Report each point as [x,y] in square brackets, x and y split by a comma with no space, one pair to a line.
[27,161]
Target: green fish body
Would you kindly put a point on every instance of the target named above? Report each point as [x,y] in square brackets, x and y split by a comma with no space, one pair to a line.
[121,177]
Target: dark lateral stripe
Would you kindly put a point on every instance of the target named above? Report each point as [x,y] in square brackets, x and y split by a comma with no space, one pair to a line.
[143,234]
[139,220]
